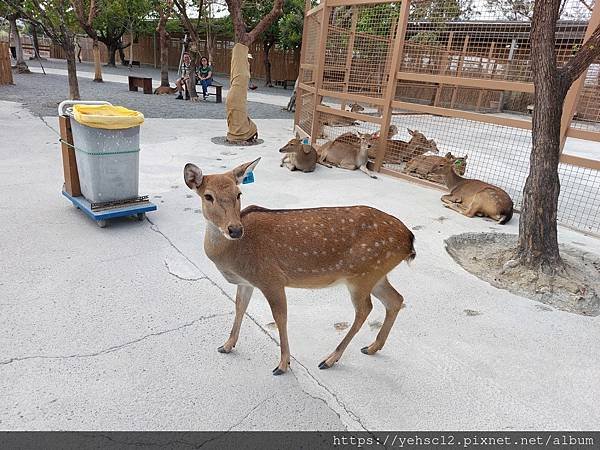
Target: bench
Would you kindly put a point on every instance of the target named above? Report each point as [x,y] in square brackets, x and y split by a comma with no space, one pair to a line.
[218,90]
[285,83]
[140,82]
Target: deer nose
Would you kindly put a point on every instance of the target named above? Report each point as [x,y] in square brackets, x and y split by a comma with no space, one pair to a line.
[235,231]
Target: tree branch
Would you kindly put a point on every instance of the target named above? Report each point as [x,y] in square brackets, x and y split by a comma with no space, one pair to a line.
[266,21]
[582,59]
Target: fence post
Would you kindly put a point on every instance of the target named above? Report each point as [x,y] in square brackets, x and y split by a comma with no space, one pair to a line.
[349,53]
[298,108]
[320,67]
[390,90]
[572,98]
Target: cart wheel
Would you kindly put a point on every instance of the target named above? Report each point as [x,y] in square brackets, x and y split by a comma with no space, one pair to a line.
[101,223]
[141,216]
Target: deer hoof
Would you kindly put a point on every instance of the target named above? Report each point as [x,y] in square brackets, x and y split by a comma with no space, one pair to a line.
[365,350]
[323,365]
[277,371]
[222,349]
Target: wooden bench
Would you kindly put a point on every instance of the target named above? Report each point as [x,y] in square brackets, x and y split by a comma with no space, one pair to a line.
[218,90]
[140,82]
[285,83]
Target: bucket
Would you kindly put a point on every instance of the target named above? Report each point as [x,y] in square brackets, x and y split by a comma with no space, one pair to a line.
[107,158]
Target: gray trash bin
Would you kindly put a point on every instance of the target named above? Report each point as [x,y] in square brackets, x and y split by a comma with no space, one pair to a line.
[107,161]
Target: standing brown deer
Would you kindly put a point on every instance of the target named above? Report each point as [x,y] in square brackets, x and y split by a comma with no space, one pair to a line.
[301,248]
[473,197]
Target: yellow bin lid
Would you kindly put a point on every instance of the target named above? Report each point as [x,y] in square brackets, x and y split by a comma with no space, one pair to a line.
[107,116]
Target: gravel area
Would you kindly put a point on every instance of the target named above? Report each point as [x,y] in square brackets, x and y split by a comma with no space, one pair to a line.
[41,94]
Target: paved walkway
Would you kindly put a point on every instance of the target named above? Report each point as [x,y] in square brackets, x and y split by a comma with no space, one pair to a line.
[117,328]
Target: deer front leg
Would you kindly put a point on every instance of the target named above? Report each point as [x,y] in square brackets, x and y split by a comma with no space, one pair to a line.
[242,298]
[348,165]
[284,160]
[278,303]
[364,169]
[450,199]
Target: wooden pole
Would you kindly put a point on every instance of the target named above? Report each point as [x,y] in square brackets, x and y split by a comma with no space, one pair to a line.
[391,84]
[488,75]
[299,95]
[320,68]
[438,93]
[461,61]
[350,52]
[68,158]
[572,97]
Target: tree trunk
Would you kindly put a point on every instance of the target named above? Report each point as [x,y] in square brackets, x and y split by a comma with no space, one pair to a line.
[538,240]
[267,45]
[72,71]
[21,64]
[112,49]
[36,42]
[191,83]
[97,63]
[131,47]
[121,49]
[164,57]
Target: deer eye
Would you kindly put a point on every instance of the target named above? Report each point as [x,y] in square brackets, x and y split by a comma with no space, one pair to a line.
[209,198]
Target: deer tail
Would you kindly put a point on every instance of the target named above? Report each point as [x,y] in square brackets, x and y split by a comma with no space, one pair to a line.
[506,217]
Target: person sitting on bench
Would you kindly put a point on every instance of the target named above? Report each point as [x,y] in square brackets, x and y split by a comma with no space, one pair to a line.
[186,67]
[205,76]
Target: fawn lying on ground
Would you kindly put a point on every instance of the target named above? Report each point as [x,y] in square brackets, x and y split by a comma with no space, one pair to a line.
[298,156]
[348,151]
[302,248]
[399,151]
[474,197]
[422,166]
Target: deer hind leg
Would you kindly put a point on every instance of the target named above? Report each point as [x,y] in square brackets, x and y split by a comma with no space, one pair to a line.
[242,299]
[278,303]
[348,165]
[362,308]
[392,301]
[450,199]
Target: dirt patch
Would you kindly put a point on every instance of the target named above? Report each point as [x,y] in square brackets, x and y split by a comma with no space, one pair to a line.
[341,326]
[222,140]
[575,290]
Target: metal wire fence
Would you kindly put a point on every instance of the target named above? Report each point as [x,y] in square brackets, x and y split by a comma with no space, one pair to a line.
[459,73]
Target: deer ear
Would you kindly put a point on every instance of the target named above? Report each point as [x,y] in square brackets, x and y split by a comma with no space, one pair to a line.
[242,170]
[449,155]
[192,175]
[411,132]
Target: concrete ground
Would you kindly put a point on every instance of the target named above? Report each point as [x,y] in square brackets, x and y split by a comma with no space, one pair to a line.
[117,328]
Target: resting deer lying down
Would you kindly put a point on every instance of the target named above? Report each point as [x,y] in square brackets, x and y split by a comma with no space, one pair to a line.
[474,197]
[301,248]
[422,165]
[348,151]
[400,151]
[298,156]
[164,90]
[339,121]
